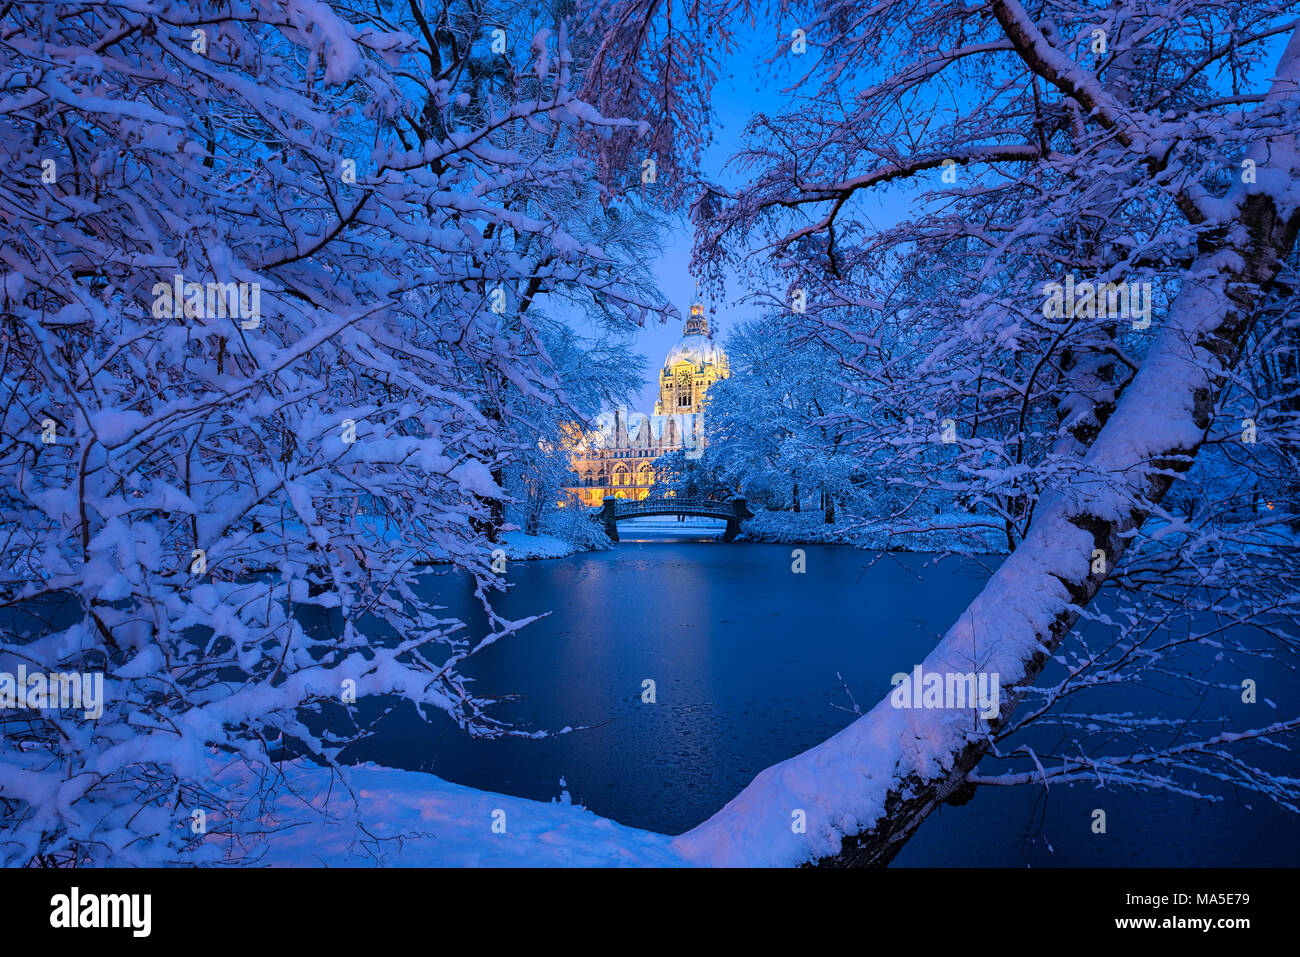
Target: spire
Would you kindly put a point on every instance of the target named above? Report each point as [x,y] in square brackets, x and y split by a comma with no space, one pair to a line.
[698,323]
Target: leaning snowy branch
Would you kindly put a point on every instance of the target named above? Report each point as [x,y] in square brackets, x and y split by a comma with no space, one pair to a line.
[1121,440]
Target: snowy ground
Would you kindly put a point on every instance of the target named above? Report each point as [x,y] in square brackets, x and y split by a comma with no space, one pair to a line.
[940,533]
[958,532]
[519,546]
[410,819]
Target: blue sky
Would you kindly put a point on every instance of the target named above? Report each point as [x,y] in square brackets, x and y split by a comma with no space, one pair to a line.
[746,86]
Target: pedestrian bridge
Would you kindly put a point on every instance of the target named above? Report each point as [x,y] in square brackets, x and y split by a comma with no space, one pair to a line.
[616,510]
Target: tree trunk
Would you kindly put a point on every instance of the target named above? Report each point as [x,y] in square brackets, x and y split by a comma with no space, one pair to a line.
[536,508]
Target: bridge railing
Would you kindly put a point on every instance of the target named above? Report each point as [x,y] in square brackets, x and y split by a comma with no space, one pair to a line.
[623,507]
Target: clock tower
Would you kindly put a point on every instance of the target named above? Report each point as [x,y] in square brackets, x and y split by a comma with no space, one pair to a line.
[693,365]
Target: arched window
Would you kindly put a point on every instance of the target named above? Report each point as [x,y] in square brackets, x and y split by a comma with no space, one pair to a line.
[622,476]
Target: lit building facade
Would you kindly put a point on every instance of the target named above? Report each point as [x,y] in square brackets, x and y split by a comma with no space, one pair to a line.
[617,457]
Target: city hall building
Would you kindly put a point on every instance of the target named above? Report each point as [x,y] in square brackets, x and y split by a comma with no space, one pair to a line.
[617,458]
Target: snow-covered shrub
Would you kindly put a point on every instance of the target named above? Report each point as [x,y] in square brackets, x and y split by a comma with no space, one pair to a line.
[578,526]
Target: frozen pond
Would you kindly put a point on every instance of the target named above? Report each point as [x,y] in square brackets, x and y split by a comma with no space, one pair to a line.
[744,656]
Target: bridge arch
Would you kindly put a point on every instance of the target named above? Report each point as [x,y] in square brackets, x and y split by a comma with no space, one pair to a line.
[616,510]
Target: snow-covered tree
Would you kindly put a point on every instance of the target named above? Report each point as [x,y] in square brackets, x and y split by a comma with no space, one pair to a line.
[776,427]
[263,274]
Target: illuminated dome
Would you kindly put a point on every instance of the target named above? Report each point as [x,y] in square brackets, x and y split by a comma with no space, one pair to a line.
[697,350]
[695,345]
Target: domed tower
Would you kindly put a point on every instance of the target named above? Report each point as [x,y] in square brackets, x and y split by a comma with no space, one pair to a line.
[693,365]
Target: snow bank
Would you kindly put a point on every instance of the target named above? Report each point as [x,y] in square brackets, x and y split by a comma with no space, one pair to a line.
[521,546]
[410,819]
[942,533]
